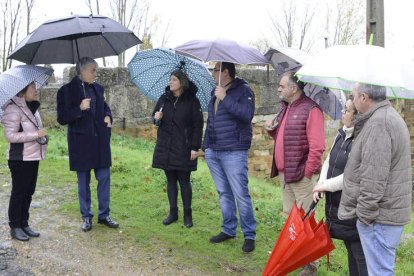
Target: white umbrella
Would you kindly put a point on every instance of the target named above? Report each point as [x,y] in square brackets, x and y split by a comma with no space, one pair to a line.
[342,66]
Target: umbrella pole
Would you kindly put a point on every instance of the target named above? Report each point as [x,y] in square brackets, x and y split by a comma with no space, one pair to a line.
[220,75]
[77,50]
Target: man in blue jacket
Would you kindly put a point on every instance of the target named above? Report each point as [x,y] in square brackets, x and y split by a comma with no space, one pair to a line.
[227,139]
[81,106]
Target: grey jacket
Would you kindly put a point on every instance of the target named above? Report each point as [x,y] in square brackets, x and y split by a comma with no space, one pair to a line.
[377,177]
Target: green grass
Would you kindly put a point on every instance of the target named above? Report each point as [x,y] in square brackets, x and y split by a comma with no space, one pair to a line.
[139,203]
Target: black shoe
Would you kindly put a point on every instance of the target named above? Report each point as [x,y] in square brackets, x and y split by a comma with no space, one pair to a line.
[248,245]
[108,222]
[19,234]
[30,232]
[188,218]
[170,219]
[87,224]
[220,238]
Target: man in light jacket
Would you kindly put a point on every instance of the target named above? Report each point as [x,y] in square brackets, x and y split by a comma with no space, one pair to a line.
[377,178]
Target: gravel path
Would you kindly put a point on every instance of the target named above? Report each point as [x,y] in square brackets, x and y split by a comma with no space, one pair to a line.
[63,249]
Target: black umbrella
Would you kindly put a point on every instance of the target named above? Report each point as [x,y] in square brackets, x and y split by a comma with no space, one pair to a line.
[68,39]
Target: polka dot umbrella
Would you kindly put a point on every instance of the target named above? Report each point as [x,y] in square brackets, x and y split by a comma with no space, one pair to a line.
[15,79]
[150,71]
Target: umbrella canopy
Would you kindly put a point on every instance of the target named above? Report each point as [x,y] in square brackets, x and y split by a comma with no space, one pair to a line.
[342,66]
[15,79]
[222,50]
[301,241]
[68,39]
[150,70]
[284,59]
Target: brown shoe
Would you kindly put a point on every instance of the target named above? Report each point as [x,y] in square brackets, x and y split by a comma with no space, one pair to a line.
[308,270]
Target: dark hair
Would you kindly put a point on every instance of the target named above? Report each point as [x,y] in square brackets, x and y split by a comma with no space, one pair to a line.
[83,62]
[293,79]
[375,92]
[183,78]
[24,90]
[231,68]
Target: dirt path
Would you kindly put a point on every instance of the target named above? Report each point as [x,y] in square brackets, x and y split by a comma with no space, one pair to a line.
[63,249]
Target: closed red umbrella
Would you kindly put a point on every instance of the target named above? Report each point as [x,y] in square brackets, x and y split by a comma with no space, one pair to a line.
[301,241]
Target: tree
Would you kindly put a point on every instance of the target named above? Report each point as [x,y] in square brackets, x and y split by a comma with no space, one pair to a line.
[291,28]
[29,7]
[133,14]
[11,12]
[345,22]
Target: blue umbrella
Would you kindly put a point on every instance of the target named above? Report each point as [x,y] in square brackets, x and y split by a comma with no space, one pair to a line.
[15,79]
[150,70]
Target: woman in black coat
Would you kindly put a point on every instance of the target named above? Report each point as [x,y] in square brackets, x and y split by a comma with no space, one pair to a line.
[331,183]
[180,119]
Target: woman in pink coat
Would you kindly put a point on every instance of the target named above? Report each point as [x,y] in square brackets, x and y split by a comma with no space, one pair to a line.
[27,145]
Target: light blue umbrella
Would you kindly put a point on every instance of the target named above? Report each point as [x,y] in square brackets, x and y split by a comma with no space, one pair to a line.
[150,70]
[15,79]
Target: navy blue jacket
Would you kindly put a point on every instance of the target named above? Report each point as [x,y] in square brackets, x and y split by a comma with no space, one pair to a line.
[230,128]
[88,134]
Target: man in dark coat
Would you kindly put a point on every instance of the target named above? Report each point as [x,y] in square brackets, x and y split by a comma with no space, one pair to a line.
[81,105]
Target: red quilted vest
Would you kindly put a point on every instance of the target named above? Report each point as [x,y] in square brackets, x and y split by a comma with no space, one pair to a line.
[296,146]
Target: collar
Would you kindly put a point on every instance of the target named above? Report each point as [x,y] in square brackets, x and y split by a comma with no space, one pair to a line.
[349,131]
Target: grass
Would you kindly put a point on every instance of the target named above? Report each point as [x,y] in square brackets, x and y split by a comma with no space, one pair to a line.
[139,203]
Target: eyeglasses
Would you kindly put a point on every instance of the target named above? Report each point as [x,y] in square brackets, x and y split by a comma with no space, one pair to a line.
[216,70]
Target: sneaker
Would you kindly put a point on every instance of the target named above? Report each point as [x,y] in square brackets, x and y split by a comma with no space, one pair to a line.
[248,245]
[220,238]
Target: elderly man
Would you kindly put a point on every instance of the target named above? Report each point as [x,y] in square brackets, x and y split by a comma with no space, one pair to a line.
[377,178]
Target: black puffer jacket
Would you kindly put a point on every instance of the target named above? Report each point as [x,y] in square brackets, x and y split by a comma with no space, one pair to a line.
[180,130]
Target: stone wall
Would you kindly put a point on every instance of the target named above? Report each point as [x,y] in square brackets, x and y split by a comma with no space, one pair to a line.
[131,110]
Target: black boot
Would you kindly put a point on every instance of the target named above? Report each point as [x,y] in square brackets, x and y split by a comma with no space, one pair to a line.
[188,218]
[172,217]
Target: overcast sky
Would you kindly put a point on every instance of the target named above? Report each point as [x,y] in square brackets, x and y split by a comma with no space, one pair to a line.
[244,21]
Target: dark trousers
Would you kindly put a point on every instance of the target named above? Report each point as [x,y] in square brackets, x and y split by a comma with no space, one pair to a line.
[103,190]
[357,265]
[183,177]
[24,177]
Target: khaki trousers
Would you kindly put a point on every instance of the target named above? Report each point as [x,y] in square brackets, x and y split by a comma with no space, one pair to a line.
[299,192]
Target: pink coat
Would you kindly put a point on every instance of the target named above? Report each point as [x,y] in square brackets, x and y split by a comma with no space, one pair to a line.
[21,129]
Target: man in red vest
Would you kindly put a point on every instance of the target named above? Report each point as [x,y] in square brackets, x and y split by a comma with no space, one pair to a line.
[299,134]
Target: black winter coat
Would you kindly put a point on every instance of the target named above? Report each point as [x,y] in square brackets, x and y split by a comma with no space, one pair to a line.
[339,229]
[88,134]
[180,131]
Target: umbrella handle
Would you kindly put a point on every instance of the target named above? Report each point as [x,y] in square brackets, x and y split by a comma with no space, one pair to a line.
[312,207]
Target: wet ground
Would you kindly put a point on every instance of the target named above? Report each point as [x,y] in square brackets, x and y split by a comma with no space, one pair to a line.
[63,249]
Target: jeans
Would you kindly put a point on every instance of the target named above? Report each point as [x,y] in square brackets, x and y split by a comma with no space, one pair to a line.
[103,190]
[379,242]
[357,265]
[229,172]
